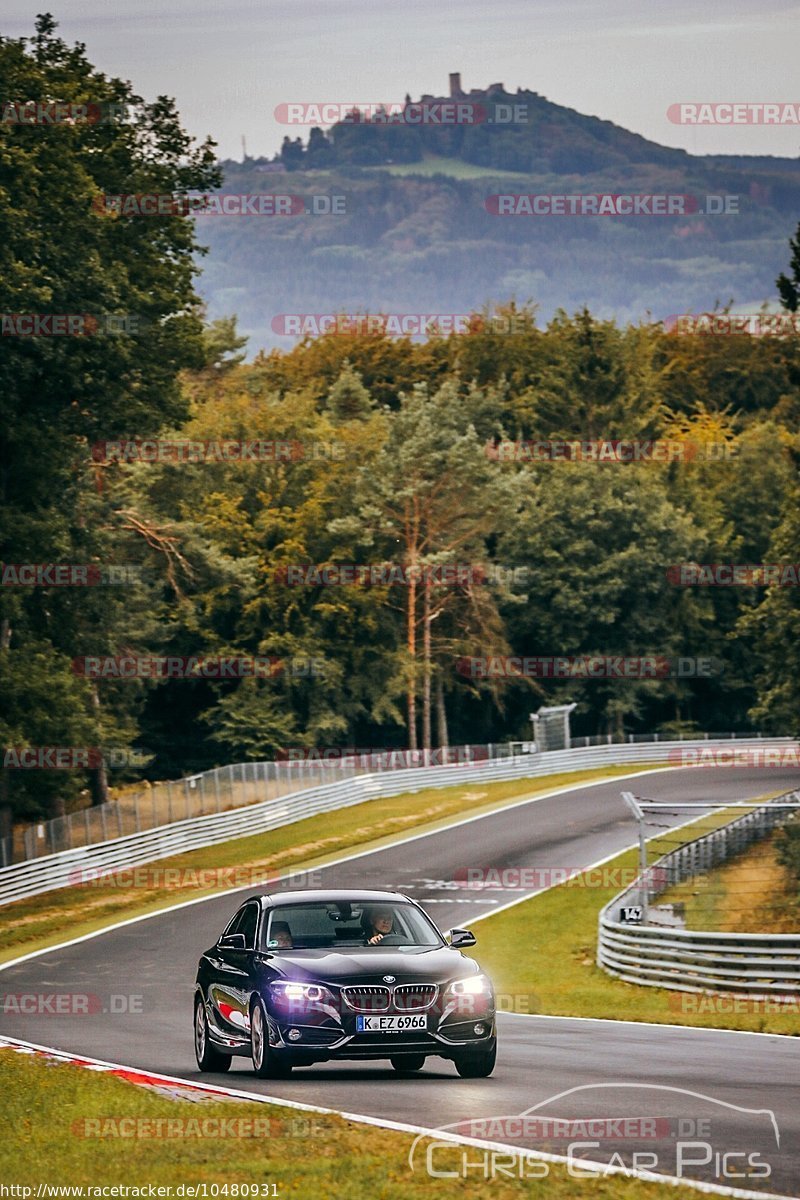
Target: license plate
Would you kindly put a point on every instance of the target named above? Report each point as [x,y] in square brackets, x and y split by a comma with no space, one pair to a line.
[390,1024]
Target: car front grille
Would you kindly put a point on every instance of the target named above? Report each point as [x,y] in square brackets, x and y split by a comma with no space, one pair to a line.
[405,998]
[414,997]
[367,998]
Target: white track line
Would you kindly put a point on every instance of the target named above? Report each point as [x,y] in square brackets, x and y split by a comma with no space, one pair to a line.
[401,1126]
[573,787]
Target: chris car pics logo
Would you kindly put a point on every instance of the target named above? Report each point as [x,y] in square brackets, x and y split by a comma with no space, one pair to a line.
[600,1129]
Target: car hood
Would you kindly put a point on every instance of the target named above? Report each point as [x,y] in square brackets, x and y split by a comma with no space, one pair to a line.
[411,965]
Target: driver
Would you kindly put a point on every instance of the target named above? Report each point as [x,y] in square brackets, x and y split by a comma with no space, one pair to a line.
[380,923]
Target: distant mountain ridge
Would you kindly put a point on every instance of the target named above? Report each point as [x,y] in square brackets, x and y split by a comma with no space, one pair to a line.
[417,233]
[539,136]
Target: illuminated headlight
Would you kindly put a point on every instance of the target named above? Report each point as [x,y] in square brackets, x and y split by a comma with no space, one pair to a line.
[292,993]
[476,985]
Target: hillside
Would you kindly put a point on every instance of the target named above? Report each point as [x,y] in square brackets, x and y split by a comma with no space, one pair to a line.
[416,235]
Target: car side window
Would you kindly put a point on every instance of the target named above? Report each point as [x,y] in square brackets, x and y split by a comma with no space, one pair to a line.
[248,925]
[234,925]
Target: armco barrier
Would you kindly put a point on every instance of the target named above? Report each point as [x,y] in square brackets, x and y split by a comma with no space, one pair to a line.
[690,960]
[66,867]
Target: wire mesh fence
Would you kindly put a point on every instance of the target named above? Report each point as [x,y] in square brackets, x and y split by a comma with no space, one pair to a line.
[232,786]
[219,790]
[683,865]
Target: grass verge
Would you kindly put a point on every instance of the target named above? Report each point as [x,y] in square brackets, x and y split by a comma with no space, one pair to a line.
[541,955]
[60,1109]
[56,916]
[753,893]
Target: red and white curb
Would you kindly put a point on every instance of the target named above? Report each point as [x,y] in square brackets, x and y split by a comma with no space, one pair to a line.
[181,1089]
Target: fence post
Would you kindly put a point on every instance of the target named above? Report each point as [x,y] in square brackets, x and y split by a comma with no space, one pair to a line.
[216,787]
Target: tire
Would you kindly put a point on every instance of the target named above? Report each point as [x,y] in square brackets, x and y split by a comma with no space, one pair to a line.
[266,1063]
[408,1062]
[208,1057]
[477,1066]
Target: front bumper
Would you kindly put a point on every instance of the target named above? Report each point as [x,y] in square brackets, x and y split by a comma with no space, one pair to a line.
[313,1035]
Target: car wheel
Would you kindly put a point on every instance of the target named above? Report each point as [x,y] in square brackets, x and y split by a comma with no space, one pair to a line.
[408,1062]
[208,1057]
[266,1063]
[477,1066]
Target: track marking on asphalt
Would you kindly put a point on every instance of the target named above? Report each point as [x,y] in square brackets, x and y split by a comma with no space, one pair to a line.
[481,916]
[573,787]
[98,1064]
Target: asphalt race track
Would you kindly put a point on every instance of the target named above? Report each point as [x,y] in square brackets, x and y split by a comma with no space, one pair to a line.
[654,1068]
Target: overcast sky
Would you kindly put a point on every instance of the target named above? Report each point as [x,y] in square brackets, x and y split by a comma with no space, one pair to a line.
[229,63]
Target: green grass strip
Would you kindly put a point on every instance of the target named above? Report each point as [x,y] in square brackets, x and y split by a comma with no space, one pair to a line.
[74,1127]
[541,954]
[71,912]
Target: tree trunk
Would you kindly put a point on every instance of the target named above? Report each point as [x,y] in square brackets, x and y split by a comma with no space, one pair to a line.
[6,821]
[426,657]
[411,630]
[98,776]
[6,811]
[441,715]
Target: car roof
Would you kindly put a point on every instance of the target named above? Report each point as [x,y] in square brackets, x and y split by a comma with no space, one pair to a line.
[330,895]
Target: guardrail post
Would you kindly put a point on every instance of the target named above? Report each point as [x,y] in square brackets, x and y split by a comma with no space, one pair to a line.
[635,808]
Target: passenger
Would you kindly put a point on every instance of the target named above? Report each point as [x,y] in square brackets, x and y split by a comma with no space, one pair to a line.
[280,936]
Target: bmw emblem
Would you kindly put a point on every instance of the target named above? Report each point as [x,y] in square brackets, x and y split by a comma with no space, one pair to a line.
[388,979]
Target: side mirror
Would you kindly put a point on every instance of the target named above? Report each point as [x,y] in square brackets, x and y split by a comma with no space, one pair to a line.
[232,941]
[459,938]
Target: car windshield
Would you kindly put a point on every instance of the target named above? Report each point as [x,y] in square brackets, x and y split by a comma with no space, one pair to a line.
[329,925]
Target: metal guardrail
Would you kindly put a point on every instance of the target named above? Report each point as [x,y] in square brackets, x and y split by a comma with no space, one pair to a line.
[690,960]
[238,784]
[218,790]
[69,867]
